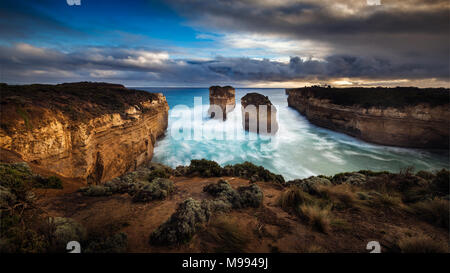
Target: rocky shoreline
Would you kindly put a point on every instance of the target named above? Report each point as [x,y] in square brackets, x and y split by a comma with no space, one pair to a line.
[404,117]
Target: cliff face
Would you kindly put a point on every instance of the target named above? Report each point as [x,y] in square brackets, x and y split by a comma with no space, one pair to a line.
[224,98]
[420,124]
[82,130]
[255,118]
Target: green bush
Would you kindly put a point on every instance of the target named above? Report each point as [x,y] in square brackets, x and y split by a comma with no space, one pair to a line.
[440,184]
[182,225]
[204,168]
[51,182]
[435,211]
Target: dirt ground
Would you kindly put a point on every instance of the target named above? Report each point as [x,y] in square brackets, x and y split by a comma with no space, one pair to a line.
[268,229]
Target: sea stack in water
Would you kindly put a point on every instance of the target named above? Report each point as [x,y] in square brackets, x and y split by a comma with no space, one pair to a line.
[221,100]
[259,114]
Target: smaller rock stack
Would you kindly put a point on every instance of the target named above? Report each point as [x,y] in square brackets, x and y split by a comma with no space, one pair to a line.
[221,98]
[259,114]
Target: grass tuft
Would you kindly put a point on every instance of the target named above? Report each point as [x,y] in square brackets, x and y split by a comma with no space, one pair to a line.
[422,244]
[317,217]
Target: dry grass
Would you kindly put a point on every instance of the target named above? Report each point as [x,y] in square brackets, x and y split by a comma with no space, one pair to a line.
[293,198]
[228,236]
[341,194]
[317,217]
[422,244]
[340,225]
[313,249]
[386,201]
[435,211]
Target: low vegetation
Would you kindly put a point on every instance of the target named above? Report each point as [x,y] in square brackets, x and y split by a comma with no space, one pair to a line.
[209,168]
[318,218]
[229,237]
[144,185]
[378,96]
[422,244]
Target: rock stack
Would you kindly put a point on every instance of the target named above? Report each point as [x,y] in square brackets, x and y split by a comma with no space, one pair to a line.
[221,100]
[258,114]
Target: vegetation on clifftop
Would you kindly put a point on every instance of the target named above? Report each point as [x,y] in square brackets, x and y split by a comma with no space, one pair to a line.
[78,101]
[378,96]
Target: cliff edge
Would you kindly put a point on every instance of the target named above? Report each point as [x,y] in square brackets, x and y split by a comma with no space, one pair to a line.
[91,131]
[402,116]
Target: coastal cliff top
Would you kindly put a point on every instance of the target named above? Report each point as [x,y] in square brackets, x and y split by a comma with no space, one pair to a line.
[222,91]
[76,100]
[255,99]
[377,96]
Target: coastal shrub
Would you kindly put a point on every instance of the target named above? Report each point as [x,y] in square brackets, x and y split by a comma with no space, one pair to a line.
[435,211]
[352,178]
[118,185]
[250,196]
[96,191]
[65,230]
[17,178]
[157,174]
[383,97]
[243,197]
[422,244]
[158,189]
[310,184]
[204,168]
[318,218]
[116,243]
[182,225]
[227,235]
[372,173]
[425,175]
[256,173]
[440,184]
[51,182]
[7,198]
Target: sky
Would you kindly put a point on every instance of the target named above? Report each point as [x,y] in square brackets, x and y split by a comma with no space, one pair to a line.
[244,43]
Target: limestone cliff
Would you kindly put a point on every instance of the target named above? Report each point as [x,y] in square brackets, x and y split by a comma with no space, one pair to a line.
[406,117]
[221,99]
[92,131]
[258,114]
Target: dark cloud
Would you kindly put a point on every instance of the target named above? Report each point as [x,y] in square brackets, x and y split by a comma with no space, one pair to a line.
[23,63]
[411,34]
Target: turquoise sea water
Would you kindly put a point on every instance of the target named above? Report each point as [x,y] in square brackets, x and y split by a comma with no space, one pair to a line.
[298,150]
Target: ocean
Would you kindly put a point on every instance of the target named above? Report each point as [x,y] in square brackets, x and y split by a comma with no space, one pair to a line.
[298,150]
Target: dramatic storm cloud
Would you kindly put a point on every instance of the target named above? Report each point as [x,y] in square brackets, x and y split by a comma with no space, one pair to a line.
[189,42]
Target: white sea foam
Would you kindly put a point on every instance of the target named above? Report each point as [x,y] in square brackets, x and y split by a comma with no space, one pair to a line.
[298,150]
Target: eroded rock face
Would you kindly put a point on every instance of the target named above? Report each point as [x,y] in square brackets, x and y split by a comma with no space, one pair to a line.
[258,114]
[409,122]
[92,131]
[221,100]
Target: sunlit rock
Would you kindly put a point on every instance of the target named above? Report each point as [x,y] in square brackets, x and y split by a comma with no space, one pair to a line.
[259,114]
[222,101]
